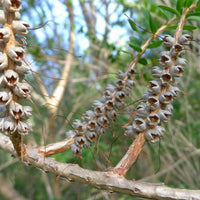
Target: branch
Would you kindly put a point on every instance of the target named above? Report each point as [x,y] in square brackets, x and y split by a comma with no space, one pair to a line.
[101,180]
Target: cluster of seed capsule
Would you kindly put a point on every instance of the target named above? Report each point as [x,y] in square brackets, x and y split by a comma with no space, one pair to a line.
[157,107]
[104,111]
[13,88]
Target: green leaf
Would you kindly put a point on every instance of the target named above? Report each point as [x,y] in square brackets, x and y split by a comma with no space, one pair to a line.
[146,15]
[195,18]
[171,10]
[136,48]
[179,5]
[143,61]
[152,24]
[134,40]
[188,3]
[155,44]
[152,2]
[198,6]
[185,27]
[193,14]
[132,24]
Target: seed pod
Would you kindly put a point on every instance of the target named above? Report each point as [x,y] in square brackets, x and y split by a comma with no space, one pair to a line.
[103,121]
[166,79]
[78,127]
[24,127]
[181,61]
[153,135]
[131,72]
[110,88]
[165,60]
[4,34]
[120,95]
[166,97]
[130,132]
[109,104]
[20,27]
[9,125]
[111,114]
[3,62]
[91,125]
[174,91]
[177,49]
[146,95]
[91,136]
[16,53]
[13,6]
[154,87]
[75,149]
[119,84]
[70,133]
[16,110]
[5,97]
[80,141]
[153,103]
[120,75]
[119,104]
[108,94]
[153,119]
[168,41]
[21,68]
[185,39]
[139,124]
[157,72]
[164,115]
[177,71]
[129,83]
[26,112]
[22,89]
[100,130]
[11,78]
[87,144]
[142,111]
[89,115]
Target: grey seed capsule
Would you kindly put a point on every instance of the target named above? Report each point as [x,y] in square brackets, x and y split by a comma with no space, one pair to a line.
[165,60]
[119,104]
[153,103]
[109,104]
[131,72]
[91,125]
[4,34]
[20,27]
[185,39]
[119,84]
[177,50]
[100,130]
[142,111]
[120,75]
[87,144]
[177,71]
[79,141]
[103,121]
[174,90]
[9,125]
[22,89]
[13,6]
[111,114]
[166,97]
[21,68]
[130,83]
[26,112]
[16,110]
[153,119]
[91,136]
[108,94]
[168,40]
[5,97]
[166,79]
[181,61]
[130,132]
[168,107]
[153,135]
[120,95]
[88,116]
[75,149]
[24,127]
[3,62]
[164,115]
[154,87]
[11,78]
[157,72]
[110,88]
[78,127]
[16,53]
[139,124]
[146,95]
[70,133]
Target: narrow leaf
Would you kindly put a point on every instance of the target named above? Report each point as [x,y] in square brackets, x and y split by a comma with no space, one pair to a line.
[171,10]
[185,27]
[136,48]
[132,24]
[188,3]
[179,5]
[194,18]
[152,24]
[134,40]
[143,61]
[193,14]
[155,44]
